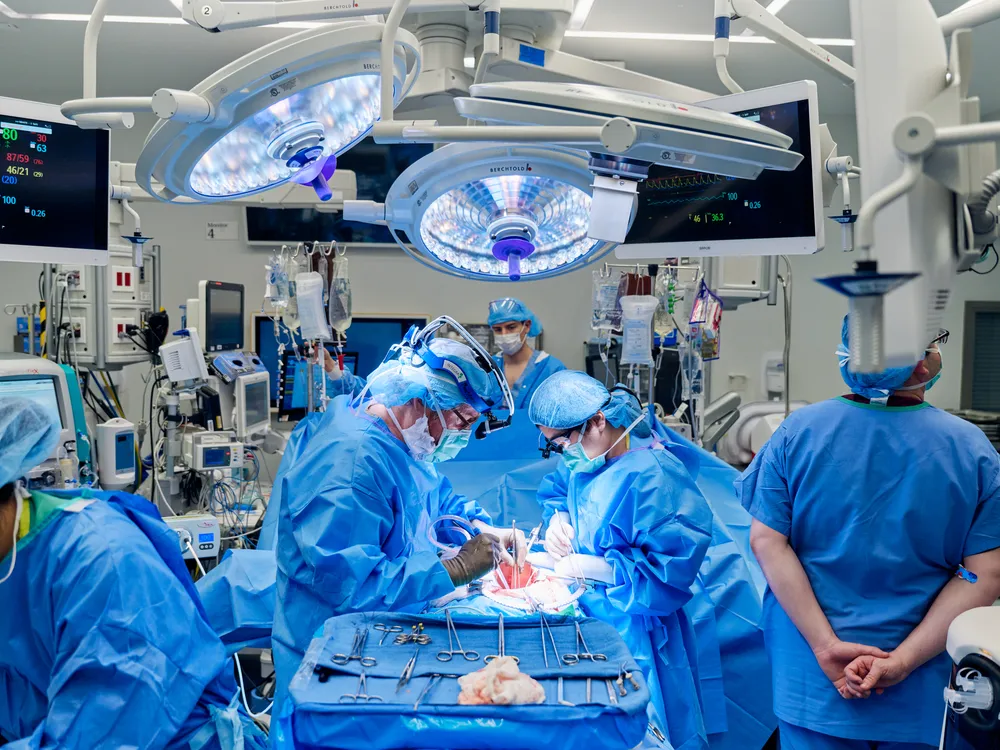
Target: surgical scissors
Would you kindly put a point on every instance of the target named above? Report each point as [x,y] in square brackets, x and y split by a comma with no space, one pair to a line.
[501,645]
[357,652]
[584,654]
[386,629]
[361,694]
[447,655]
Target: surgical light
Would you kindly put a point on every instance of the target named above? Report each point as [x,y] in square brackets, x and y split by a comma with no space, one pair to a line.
[492,212]
[283,112]
[656,131]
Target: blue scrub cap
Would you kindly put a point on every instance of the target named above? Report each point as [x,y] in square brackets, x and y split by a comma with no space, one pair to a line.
[401,380]
[510,310]
[569,398]
[875,386]
[28,435]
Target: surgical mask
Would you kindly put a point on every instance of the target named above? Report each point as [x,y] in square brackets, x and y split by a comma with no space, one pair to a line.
[509,343]
[450,445]
[577,460]
[21,494]
[417,437]
[930,383]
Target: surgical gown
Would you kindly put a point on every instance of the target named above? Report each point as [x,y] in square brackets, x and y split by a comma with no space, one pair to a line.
[643,513]
[105,643]
[539,367]
[352,530]
[881,505]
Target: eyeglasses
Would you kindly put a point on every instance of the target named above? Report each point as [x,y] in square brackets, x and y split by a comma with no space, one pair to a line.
[465,415]
[558,443]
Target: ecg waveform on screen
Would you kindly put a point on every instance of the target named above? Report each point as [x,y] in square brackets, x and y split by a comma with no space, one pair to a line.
[682,200]
[686,181]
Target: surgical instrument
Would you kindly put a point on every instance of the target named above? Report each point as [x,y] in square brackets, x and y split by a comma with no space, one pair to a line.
[559,698]
[361,694]
[431,683]
[589,690]
[655,731]
[583,654]
[546,627]
[630,678]
[404,678]
[416,635]
[386,629]
[501,644]
[357,652]
[620,682]
[447,655]
[612,698]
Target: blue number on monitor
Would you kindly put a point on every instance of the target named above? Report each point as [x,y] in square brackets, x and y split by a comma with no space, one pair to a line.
[206,538]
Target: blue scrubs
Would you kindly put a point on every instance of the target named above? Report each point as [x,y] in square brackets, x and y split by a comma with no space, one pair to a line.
[539,367]
[797,738]
[643,513]
[881,505]
[352,529]
[105,643]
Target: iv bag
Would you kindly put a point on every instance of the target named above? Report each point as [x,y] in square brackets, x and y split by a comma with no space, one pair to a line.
[637,333]
[663,320]
[312,320]
[340,297]
[605,313]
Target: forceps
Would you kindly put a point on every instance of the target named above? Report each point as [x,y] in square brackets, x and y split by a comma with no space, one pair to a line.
[501,645]
[544,625]
[447,655]
[584,653]
[386,629]
[357,651]
[361,694]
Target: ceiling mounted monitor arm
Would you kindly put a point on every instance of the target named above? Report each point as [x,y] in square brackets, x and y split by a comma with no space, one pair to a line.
[767,24]
[969,17]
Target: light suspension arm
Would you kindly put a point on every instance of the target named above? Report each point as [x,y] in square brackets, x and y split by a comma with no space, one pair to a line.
[969,16]
[767,24]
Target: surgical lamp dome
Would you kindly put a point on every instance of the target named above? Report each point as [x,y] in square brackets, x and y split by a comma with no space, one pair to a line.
[283,112]
[492,212]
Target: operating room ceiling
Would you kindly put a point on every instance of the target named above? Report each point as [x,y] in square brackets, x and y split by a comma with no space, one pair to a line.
[137,58]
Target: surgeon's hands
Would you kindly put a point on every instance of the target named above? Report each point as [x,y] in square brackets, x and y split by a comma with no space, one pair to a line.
[867,673]
[476,558]
[507,539]
[834,657]
[559,536]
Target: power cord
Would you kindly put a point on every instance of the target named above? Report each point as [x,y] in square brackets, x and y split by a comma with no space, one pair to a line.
[986,252]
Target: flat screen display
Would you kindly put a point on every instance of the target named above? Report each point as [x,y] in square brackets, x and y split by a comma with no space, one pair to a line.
[53,187]
[257,403]
[41,390]
[681,206]
[223,318]
[293,393]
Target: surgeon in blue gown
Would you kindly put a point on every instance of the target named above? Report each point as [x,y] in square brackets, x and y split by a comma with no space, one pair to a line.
[868,512]
[525,368]
[357,497]
[634,520]
[104,641]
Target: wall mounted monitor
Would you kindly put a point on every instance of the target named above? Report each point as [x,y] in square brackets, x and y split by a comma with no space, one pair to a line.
[695,214]
[54,189]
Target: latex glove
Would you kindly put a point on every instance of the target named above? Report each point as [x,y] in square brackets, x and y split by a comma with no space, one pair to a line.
[331,366]
[591,567]
[507,538]
[476,558]
[559,536]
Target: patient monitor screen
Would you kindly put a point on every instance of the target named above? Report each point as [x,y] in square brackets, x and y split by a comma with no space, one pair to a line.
[41,390]
[680,206]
